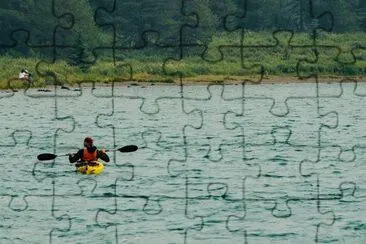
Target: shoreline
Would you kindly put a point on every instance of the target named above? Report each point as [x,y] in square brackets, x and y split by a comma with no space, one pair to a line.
[204,80]
[201,80]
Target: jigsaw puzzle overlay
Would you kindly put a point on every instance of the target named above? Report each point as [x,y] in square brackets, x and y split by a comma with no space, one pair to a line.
[257,147]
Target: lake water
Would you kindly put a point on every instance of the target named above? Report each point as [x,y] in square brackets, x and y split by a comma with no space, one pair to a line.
[225,164]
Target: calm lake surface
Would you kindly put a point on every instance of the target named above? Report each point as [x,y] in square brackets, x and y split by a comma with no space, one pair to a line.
[279,163]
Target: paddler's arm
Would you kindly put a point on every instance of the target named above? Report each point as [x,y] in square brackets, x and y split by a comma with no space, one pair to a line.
[103,156]
[75,157]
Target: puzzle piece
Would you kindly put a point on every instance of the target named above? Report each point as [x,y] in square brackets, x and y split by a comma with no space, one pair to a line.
[39,34]
[315,65]
[302,118]
[44,69]
[345,52]
[284,49]
[21,192]
[342,185]
[78,108]
[22,198]
[154,184]
[21,148]
[215,215]
[279,163]
[135,225]
[40,37]
[16,217]
[69,108]
[135,122]
[214,120]
[50,169]
[76,49]
[200,171]
[82,26]
[236,20]
[348,226]
[82,207]
[213,65]
[277,16]
[12,79]
[128,68]
[130,36]
[333,171]
[347,135]
[229,66]
[314,214]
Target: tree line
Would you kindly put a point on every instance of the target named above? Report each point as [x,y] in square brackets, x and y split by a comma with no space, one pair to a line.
[31,27]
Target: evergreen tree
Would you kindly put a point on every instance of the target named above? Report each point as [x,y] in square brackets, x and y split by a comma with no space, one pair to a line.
[81,56]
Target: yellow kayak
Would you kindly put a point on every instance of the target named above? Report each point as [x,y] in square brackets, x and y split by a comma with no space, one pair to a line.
[90,167]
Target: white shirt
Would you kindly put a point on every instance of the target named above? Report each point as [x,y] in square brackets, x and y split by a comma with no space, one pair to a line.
[23,75]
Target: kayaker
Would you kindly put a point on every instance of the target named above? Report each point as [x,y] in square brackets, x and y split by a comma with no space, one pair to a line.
[89,153]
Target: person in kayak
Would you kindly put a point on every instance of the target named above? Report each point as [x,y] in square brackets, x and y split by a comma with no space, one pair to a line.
[89,153]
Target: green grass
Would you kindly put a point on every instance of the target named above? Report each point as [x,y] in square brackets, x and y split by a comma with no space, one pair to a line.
[260,51]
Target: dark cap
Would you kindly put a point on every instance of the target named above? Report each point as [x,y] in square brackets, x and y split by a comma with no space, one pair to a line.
[88,140]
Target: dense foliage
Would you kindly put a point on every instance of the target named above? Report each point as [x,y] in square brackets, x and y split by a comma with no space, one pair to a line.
[80,33]
[101,23]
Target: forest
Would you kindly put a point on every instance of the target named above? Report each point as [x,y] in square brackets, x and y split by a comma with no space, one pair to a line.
[82,33]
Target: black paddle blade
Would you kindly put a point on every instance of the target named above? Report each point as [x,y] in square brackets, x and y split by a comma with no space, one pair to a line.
[46,156]
[129,148]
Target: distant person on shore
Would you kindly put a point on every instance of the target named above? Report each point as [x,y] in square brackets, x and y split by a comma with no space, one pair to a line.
[25,76]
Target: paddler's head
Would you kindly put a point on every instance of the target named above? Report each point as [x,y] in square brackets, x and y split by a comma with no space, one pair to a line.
[88,142]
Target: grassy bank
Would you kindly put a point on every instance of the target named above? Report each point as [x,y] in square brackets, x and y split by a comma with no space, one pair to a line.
[276,54]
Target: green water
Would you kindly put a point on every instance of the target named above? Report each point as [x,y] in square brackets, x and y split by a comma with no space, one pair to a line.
[285,164]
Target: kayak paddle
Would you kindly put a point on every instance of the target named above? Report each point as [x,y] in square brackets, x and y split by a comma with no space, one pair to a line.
[50,156]
[128,148]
